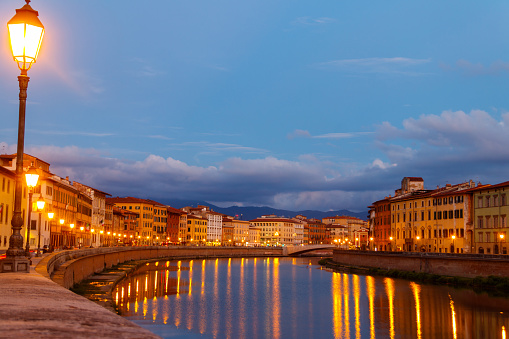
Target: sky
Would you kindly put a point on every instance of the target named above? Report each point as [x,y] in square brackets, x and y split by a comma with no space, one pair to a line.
[290,104]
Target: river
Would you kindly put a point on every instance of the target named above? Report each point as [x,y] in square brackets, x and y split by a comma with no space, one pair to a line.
[296,298]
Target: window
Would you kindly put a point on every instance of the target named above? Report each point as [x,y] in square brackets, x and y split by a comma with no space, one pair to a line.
[503,200]
[439,216]
[488,200]
[450,214]
[445,214]
[450,200]
[445,201]
[479,202]
[422,215]
[481,234]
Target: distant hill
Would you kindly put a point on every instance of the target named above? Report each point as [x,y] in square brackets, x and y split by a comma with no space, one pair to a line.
[250,212]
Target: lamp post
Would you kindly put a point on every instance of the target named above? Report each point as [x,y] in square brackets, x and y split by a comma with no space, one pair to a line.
[453,249]
[62,239]
[70,235]
[501,236]
[390,243]
[51,215]
[40,207]
[31,178]
[25,35]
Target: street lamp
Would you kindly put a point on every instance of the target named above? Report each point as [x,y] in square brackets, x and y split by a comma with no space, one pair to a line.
[453,237]
[31,178]
[25,35]
[501,236]
[51,215]
[390,243]
[40,207]
[70,236]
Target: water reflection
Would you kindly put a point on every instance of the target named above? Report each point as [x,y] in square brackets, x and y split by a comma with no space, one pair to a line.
[291,298]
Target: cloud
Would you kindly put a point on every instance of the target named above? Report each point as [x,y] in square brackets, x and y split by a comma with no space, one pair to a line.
[298,133]
[476,69]
[264,181]
[144,69]
[451,147]
[396,65]
[85,134]
[205,146]
[307,21]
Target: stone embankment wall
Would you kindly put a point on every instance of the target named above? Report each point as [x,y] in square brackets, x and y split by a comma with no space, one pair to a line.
[460,265]
[71,267]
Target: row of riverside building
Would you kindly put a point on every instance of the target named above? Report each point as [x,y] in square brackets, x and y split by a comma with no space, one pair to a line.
[461,218]
[84,216]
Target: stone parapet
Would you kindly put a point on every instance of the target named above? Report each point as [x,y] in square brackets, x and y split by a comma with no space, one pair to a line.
[68,268]
[460,265]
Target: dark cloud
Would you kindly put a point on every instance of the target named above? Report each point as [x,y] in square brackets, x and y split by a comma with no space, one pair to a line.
[451,147]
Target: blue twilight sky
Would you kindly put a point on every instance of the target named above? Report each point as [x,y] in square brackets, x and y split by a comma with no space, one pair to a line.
[291,104]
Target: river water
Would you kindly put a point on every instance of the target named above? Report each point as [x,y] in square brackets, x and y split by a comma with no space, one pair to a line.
[296,298]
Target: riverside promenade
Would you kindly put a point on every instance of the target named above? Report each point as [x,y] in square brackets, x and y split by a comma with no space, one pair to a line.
[37,305]
[33,306]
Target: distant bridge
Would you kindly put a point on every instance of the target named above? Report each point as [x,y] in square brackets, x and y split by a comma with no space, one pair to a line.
[296,250]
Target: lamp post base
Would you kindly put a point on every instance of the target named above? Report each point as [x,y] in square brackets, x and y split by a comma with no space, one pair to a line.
[15,264]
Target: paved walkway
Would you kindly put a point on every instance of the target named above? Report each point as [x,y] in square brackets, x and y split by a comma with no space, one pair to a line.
[32,306]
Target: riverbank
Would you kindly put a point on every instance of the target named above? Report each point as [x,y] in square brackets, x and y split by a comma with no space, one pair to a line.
[33,306]
[493,285]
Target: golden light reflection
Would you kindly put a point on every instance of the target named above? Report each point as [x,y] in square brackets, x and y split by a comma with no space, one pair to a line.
[504,336]
[229,306]
[202,323]
[370,287]
[276,320]
[145,307]
[190,312]
[203,276]
[356,296]
[389,289]
[255,299]
[190,277]
[337,317]
[453,315]
[416,289]
[215,301]
[242,302]
[346,291]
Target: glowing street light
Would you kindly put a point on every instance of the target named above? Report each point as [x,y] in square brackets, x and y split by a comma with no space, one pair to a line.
[40,207]
[31,178]
[25,35]
[51,215]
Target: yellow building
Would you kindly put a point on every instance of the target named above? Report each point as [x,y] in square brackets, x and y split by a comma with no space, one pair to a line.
[432,220]
[253,239]
[183,228]
[145,222]
[7,184]
[275,231]
[196,230]
[160,222]
[490,218]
